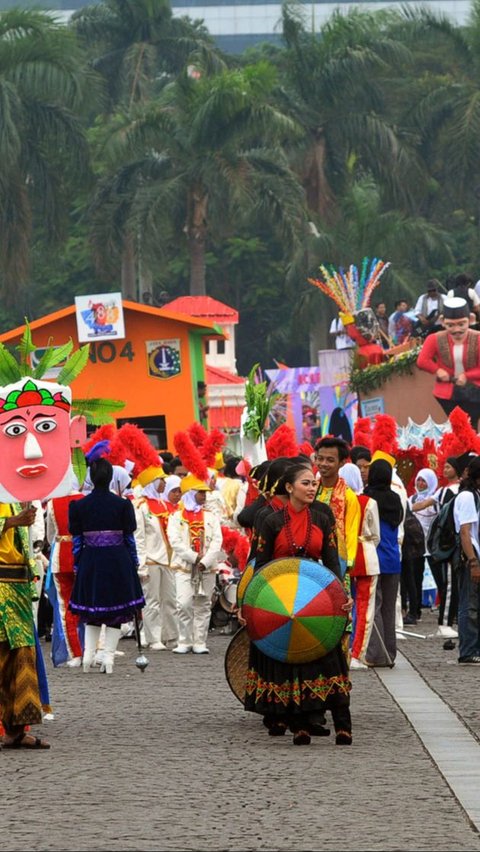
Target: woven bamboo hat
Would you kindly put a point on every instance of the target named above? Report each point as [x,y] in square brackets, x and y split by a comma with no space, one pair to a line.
[236,663]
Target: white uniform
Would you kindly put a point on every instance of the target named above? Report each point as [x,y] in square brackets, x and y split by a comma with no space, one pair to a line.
[194,610]
[158,579]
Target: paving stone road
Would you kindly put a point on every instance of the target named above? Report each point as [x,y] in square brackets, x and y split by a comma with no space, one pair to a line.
[168,760]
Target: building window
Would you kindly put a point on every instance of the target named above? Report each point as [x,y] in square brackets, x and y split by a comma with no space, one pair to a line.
[220,347]
[207,347]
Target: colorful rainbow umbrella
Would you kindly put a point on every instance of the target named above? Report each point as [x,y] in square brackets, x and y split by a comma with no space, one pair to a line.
[293,610]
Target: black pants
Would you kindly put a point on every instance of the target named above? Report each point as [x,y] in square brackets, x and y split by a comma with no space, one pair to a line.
[470,408]
[411,603]
[445,577]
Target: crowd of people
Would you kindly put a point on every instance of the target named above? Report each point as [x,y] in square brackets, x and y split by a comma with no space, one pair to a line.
[141,545]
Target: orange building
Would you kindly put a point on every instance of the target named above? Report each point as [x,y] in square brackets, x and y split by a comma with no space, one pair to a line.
[131,369]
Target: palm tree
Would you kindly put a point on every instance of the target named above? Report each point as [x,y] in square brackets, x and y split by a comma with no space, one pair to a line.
[335,87]
[203,157]
[134,43]
[42,144]
[136,46]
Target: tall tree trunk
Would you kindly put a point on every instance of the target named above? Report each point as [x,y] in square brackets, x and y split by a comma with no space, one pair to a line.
[320,197]
[129,273]
[197,241]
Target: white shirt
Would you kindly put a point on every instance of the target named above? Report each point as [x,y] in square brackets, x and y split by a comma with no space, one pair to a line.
[465,512]
[458,359]
[342,340]
[472,294]
[432,305]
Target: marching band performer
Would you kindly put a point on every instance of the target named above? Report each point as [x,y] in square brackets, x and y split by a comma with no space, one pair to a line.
[195,536]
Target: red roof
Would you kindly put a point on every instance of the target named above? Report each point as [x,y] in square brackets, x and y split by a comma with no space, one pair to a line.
[203,306]
[217,376]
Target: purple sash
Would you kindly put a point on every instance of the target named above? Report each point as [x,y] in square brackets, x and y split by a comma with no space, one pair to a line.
[103,538]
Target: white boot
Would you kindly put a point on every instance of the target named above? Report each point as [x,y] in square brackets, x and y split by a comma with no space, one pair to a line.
[112,637]
[91,638]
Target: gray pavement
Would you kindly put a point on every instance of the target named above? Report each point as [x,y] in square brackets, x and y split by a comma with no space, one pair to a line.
[168,760]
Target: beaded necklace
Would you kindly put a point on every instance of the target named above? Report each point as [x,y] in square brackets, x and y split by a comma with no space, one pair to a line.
[297,549]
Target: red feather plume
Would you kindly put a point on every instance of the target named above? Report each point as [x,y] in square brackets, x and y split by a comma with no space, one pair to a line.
[214,443]
[384,434]
[282,443]
[103,433]
[190,455]
[133,441]
[236,543]
[362,433]
[305,449]
[198,434]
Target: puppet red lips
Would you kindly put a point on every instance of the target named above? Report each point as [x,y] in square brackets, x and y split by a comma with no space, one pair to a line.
[31,470]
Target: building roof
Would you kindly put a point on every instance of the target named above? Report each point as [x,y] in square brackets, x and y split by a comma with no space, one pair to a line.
[204,323]
[204,306]
[217,376]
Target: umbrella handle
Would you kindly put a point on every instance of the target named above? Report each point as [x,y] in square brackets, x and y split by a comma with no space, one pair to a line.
[137,631]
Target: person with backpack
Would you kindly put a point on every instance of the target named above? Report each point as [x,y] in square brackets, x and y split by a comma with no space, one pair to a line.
[466,515]
[442,543]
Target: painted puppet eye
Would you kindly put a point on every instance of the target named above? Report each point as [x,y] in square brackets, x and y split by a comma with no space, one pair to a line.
[46,425]
[13,430]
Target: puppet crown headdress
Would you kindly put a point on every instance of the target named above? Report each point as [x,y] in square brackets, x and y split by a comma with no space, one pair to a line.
[350,290]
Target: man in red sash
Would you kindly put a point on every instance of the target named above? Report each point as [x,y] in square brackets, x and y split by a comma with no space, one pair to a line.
[453,356]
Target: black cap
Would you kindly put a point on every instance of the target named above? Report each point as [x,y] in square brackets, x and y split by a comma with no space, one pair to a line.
[455,308]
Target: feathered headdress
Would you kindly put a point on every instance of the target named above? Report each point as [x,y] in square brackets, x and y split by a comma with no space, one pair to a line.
[198,434]
[190,455]
[103,433]
[305,449]
[349,290]
[282,443]
[236,543]
[137,447]
[362,433]
[99,450]
[384,434]
[213,444]
[461,439]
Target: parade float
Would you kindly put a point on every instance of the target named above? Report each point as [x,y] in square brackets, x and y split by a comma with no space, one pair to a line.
[385,380]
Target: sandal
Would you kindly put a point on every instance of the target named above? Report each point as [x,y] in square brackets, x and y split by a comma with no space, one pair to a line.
[301,738]
[25,740]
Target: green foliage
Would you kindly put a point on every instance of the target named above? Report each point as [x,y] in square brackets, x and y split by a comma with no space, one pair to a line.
[51,357]
[369,378]
[79,465]
[359,140]
[97,411]
[9,367]
[74,366]
[25,349]
[259,403]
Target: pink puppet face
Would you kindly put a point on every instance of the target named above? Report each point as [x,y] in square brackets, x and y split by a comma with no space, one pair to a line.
[36,436]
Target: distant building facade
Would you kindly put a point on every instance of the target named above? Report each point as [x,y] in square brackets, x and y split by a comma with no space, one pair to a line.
[236,24]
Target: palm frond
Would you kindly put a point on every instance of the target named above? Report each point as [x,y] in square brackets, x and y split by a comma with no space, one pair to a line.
[74,366]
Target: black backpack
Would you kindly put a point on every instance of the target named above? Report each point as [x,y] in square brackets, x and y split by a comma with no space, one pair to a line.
[442,538]
[413,537]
